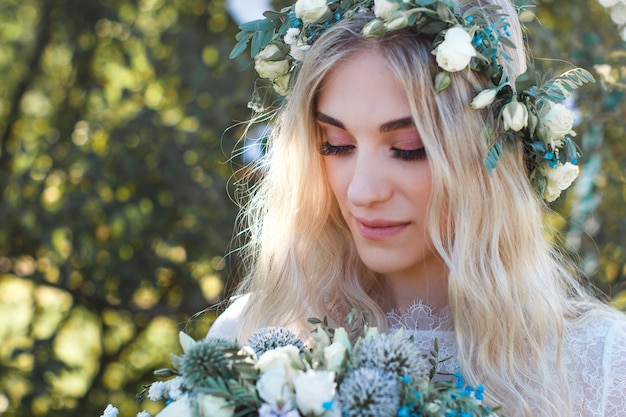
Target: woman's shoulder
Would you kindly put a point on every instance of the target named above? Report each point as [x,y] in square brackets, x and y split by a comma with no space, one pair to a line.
[226,324]
[599,330]
[595,358]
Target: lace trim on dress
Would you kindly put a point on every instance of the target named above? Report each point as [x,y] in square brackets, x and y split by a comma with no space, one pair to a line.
[420,322]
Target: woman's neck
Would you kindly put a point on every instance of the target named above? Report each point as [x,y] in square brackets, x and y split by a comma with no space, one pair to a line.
[427,283]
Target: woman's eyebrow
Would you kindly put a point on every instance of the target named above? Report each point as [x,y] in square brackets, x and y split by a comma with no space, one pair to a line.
[385,127]
[397,124]
[324,118]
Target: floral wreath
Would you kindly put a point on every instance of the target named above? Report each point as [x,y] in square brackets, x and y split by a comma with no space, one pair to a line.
[528,107]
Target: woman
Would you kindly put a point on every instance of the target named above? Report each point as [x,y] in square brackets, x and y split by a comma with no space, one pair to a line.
[375,196]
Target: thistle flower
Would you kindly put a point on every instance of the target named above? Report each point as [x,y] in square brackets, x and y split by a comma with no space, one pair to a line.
[393,354]
[369,392]
[270,338]
[207,360]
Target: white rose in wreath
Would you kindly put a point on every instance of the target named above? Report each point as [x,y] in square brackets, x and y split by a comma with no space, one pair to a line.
[484,98]
[311,11]
[456,50]
[515,116]
[210,405]
[270,63]
[559,179]
[281,84]
[384,8]
[556,123]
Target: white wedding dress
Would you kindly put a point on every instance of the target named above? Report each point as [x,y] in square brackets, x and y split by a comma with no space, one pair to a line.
[594,353]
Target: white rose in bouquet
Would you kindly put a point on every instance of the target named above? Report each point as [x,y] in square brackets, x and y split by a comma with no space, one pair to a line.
[271,63]
[456,50]
[212,406]
[559,179]
[341,336]
[284,357]
[334,355]
[178,408]
[314,391]
[273,387]
[312,11]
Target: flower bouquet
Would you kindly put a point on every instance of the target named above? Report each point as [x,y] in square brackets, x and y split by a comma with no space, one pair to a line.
[276,375]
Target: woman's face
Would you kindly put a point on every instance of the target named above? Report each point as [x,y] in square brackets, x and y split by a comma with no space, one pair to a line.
[376,164]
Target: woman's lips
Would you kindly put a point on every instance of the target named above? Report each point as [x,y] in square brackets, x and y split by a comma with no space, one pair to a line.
[379,229]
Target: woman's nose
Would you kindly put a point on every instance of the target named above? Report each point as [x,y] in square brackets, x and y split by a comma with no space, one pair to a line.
[369,184]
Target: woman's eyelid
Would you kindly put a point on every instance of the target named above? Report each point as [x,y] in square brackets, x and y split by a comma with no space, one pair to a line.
[406,139]
[408,145]
[336,136]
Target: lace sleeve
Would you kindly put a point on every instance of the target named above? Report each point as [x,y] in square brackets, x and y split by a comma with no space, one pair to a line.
[225,326]
[614,364]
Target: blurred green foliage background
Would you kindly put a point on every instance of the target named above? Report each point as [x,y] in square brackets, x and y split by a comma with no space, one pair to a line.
[118,119]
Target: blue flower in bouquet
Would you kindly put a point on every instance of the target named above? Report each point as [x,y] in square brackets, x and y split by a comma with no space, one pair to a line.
[369,392]
[392,353]
[270,338]
[206,359]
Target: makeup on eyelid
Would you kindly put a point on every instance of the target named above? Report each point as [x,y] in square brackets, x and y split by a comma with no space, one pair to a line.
[404,140]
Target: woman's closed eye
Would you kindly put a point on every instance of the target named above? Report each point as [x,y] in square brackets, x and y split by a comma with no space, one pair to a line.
[409,154]
[328,149]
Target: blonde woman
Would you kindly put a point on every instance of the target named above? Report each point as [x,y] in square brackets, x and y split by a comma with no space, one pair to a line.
[406,177]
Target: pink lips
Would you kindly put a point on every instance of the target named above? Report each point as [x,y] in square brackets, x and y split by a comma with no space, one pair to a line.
[379,229]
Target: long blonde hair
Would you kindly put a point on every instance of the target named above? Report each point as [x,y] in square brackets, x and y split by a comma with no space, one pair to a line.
[510,290]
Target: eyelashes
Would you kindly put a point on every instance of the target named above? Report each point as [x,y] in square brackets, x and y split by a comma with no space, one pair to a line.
[411,154]
[327,149]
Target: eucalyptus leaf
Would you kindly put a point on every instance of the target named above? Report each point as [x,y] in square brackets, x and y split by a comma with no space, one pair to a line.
[271,14]
[434,27]
[471,11]
[257,25]
[526,80]
[443,11]
[258,43]
[507,42]
[493,156]
[242,35]
[239,48]
[442,81]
